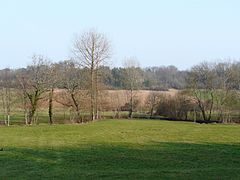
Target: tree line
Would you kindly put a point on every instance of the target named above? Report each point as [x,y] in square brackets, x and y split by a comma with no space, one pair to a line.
[211,94]
[207,92]
[153,78]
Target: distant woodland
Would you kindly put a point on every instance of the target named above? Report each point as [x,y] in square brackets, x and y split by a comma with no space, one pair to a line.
[153,78]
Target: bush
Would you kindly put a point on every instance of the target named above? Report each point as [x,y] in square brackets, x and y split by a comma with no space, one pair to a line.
[176,107]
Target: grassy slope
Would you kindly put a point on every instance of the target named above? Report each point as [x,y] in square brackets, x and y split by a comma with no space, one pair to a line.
[121,149]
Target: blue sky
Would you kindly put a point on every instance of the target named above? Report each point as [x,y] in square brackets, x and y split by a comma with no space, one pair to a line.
[157,32]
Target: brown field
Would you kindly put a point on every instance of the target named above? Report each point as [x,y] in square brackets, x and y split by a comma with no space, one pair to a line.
[115,98]
[109,99]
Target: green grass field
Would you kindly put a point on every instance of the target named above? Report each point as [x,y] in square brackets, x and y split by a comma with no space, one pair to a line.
[121,149]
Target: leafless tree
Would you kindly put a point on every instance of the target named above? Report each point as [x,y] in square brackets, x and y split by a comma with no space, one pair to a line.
[133,81]
[115,102]
[201,85]
[224,87]
[91,49]
[6,93]
[152,101]
[72,80]
[53,80]
[34,83]
[236,74]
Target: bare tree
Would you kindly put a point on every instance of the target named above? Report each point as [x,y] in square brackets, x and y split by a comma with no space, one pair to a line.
[72,80]
[91,49]
[214,87]
[133,81]
[152,101]
[201,85]
[53,80]
[115,102]
[34,83]
[224,87]
[6,92]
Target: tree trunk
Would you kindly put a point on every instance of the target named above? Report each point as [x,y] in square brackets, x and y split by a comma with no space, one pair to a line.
[8,120]
[4,106]
[96,95]
[204,114]
[77,109]
[131,105]
[50,106]
[151,112]
[211,108]
[32,110]
[25,109]
[92,95]
[31,115]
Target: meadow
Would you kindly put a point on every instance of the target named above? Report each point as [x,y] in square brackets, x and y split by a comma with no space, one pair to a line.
[121,149]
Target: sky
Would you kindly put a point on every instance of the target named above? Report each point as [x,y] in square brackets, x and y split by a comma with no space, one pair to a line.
[156,32]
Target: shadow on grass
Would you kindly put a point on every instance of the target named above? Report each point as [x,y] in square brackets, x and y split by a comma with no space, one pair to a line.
[159,160]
